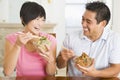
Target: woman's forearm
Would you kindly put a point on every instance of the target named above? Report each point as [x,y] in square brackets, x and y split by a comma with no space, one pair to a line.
[10,60]
[51,68]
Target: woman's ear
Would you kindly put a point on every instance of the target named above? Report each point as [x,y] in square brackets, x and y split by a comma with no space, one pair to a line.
[22,21]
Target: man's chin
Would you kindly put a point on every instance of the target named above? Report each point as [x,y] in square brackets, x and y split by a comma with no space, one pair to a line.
[86,33]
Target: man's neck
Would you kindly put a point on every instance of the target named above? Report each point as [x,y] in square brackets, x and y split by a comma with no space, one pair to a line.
[95,37]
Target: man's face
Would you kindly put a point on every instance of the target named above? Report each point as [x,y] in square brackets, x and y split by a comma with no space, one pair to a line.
[90,26]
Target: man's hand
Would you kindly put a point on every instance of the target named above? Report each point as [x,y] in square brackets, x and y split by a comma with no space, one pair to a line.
[88,71]
[66,54]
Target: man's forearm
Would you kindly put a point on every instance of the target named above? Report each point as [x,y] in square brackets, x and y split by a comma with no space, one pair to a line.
[112,71]
[60,62]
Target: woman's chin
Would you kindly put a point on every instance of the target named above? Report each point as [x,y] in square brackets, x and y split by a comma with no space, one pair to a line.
[36,33]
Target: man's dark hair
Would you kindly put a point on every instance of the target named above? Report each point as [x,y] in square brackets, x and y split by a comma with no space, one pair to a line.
[102,11]
[30,11]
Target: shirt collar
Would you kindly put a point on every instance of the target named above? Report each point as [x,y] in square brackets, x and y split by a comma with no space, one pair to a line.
[105,33]
[82,36]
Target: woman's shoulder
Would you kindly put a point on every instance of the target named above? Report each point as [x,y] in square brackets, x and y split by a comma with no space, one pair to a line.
[12,35]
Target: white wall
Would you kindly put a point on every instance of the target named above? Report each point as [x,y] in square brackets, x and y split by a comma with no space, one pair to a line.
[4,10]
[116,16]
[59,17]
[56,14]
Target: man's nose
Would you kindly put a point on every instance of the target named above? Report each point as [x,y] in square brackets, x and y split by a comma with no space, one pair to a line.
[84,23]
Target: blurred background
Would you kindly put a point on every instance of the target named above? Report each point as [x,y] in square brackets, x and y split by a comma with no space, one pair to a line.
[63,16]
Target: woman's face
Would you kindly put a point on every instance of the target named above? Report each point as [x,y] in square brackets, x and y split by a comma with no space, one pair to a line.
[34,26]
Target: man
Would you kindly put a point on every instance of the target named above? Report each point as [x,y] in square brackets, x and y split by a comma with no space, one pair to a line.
[97,41]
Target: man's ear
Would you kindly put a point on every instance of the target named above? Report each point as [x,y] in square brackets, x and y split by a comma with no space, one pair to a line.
[103,23]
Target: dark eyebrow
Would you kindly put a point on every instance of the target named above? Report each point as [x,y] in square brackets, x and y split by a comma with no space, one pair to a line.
[86,19]
[82,17]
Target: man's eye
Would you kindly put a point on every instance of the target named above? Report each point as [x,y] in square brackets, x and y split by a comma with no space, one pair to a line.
[83,19]
[88,22]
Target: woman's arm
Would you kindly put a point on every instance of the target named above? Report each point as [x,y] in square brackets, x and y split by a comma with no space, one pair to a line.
[51,65]
[12,52]
[10,57]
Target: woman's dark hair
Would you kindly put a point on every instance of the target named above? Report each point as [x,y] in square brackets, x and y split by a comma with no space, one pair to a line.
[30,11]
[102,11]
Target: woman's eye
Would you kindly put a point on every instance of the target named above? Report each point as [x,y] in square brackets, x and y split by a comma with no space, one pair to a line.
[37,18]
[43,20]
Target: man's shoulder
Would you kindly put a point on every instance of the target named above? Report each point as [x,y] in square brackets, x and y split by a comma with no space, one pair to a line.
[110,33]
[114,34]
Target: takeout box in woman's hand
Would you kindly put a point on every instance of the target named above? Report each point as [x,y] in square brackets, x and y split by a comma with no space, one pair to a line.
[41,42]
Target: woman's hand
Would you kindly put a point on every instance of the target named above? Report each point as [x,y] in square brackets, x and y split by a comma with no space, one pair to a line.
[23,38]
[47,55]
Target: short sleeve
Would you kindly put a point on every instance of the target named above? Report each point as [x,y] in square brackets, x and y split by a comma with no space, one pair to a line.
[115,54]
[53,41]
[11,37]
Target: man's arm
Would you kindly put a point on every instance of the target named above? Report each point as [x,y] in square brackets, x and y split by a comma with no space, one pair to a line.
[63,57]
[111,71]
[61,63]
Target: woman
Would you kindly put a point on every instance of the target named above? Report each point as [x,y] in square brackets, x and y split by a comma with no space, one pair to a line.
[19,52]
